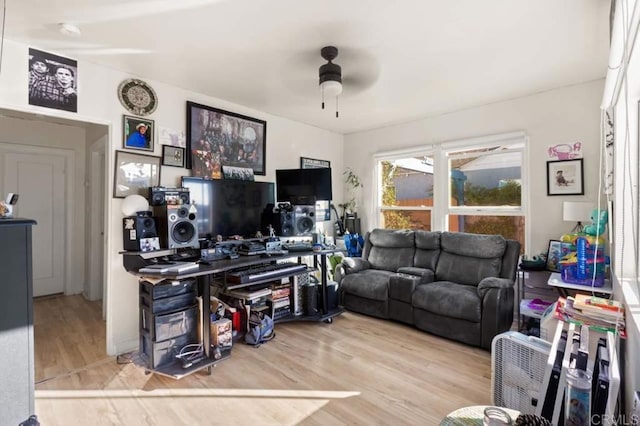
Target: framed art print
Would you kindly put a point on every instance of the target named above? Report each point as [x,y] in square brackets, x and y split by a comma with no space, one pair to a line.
[137,133]
[135,174]
[172,156]
[554,254]
[217,138]
[565,177]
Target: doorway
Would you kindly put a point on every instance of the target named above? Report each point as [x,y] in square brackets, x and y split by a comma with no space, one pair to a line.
[58,167]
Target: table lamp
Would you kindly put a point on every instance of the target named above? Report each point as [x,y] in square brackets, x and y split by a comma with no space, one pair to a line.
[577,211]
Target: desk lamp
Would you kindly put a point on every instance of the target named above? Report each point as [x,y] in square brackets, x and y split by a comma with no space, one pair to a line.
[577,211]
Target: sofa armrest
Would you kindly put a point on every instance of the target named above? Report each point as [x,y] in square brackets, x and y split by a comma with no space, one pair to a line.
[497,313]
[426,275]
[354,264]
[493,282]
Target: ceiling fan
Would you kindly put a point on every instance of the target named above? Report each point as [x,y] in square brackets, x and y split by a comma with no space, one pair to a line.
[330,75]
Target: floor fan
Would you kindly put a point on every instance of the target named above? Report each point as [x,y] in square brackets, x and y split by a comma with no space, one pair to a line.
[518,364]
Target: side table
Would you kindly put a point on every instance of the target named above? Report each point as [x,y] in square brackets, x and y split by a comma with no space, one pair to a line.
[535,284]
[555,280]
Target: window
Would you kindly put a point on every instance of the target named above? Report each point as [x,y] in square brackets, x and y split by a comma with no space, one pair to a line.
[472,186]
[406,192]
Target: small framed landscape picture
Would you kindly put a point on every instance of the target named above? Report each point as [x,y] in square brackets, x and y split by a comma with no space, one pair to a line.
[137,133]
[173,156]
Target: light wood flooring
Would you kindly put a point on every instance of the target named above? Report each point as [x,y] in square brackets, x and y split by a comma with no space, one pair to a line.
[358,370]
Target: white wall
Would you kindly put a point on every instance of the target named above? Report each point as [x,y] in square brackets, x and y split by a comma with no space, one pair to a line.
[564,115]
[98,103]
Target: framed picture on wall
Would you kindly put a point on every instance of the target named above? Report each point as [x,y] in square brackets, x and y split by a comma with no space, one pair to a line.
[565,177]
[135,174]
[137,133]
[172,156]
[312,163]
[217,138]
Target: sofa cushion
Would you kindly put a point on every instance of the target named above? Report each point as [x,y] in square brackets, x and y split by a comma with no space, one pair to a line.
[370,284]
[468,258]
[390,249]
[427,249]
[449,300]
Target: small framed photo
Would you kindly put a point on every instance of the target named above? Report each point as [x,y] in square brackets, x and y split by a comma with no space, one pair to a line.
[238,173]
[135,174]
[565,177]
[137,133]
[554,254]
[312,163]
[172,156]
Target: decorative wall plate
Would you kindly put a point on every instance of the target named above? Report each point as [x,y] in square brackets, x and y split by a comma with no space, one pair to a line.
[137,97]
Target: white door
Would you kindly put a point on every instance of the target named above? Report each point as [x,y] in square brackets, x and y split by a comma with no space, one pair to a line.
[40,182]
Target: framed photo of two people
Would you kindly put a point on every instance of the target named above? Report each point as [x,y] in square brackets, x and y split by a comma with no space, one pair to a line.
[217,138]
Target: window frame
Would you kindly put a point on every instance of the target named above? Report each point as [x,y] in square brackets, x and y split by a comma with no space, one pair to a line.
[441,210]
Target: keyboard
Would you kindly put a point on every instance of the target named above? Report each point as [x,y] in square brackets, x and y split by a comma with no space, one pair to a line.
[297,247]
[262,272]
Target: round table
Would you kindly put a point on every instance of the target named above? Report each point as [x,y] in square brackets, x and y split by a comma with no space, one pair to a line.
[473,415]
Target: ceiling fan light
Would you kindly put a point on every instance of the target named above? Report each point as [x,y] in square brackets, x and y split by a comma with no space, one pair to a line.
[331,88]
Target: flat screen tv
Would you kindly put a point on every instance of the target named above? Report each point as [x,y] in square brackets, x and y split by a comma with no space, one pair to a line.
[296,184]
[228,207]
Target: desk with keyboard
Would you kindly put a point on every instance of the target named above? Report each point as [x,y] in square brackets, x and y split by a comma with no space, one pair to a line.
[226,274]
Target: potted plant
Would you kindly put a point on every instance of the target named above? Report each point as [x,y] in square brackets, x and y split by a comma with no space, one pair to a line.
[353,185]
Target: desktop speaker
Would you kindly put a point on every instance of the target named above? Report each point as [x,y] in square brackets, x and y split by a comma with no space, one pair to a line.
[177,226]
[136,228]
[304,219]
[280,219]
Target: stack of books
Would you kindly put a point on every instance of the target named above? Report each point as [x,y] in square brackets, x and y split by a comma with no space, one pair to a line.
[280,299]
[598,313]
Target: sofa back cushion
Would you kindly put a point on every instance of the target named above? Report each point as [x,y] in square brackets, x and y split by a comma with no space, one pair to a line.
[427,249]
[389,249]
[468,258]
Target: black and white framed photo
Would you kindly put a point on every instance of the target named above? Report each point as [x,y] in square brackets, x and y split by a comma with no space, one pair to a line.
[217,138]
[238,173]
[312,163]
[135,174]
[137,133]
[53,81]
[565,177]
[172,156]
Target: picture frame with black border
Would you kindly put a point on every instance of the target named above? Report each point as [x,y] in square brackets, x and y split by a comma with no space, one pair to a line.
[565,177]
[217,138]
[173,156]
[313,163]
[133,134]
[554,254]
[135,173]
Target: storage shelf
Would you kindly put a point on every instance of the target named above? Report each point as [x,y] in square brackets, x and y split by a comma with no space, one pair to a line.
[175,370]
[555,280]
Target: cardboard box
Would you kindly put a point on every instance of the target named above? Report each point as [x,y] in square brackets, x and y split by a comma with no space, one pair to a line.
[221,335]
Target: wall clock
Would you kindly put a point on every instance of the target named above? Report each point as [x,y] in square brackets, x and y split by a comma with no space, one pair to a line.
[137,97]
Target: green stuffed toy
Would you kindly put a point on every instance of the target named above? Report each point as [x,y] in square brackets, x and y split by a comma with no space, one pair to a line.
[599,225]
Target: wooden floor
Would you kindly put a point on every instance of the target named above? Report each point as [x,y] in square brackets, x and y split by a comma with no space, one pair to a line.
[358,370]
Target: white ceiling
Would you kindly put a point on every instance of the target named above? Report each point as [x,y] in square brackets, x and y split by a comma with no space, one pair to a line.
[401,60]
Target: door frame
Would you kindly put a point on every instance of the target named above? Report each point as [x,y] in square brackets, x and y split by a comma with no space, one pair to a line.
[45,114]
[69,172]
[94,290]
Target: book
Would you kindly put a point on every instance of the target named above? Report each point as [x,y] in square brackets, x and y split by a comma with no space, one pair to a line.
[586,302]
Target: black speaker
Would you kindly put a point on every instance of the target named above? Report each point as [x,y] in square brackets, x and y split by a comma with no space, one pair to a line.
[177,226]
[304,219]
[136,227]
[160,196]
[281,221]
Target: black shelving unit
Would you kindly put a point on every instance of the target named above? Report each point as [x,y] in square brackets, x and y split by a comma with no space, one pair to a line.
[16,321]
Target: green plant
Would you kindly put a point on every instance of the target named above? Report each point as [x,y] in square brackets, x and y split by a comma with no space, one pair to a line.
[353,181]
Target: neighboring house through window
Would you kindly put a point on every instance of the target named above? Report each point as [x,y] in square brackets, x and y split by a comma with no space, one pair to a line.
[476,185]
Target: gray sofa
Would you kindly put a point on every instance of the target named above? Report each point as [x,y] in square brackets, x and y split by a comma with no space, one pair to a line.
[455,285]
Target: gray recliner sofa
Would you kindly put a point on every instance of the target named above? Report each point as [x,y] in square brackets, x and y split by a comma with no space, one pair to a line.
[455,285]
